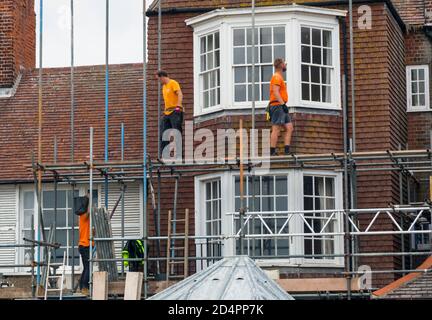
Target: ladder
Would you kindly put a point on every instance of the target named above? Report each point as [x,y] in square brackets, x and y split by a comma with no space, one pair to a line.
[54,276]
[172,249]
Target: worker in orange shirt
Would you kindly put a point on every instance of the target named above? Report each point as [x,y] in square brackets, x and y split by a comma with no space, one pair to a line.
[173,113]
[278,109]
[84,249]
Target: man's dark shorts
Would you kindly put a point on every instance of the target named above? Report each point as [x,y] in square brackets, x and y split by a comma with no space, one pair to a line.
[279,116]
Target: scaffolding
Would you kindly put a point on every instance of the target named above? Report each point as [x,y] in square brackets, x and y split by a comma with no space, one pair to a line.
[404,162]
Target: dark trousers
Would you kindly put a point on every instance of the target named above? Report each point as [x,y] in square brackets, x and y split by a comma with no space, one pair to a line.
[85,276]
[172,121]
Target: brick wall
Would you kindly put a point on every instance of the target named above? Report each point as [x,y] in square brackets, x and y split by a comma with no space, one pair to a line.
[17,39]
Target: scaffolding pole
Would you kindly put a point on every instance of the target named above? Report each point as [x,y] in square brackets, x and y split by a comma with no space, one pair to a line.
[144,218]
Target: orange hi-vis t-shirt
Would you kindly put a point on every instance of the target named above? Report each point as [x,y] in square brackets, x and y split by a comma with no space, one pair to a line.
[170,94]
[84,231]
[278,81]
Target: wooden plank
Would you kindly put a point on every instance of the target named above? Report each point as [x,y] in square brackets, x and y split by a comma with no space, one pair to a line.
[318,285]
[14,293]
[133,285]
[116,288]
[100,285]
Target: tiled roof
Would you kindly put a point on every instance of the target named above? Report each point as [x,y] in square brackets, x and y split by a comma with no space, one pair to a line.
[420,288]
[18,116]
[415,285]
[412,12]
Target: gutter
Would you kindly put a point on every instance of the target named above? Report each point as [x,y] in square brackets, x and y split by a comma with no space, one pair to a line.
[392,9]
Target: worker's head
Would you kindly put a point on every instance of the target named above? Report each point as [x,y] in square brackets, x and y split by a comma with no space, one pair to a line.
[163,76]
[280,65]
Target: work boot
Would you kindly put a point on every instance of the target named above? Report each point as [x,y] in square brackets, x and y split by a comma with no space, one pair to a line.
[85,291]
[273,152]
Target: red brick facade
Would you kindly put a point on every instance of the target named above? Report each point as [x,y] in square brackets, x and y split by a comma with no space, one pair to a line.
[17,39]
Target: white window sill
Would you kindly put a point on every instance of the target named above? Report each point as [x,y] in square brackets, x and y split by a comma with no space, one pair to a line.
[413,110]
[307,264]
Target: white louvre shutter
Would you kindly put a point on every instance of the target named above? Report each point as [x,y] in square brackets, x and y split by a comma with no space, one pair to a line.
[132,225]
[8,222]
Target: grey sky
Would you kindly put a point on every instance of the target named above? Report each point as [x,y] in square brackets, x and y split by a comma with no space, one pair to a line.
[125,32]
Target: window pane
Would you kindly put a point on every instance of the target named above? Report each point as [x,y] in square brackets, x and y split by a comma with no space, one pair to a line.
[257,92]
[210,43]
[267,204]
[265,90]
[327,39]
[267,186]
[316,37]
[249,55]
[306,54]
[203,45]
[257,74]
[281,186]
[325,76]
[327,57]
[240,75]
[319,186]
[27,218]
[330,187]
[266,73]
[203,62]
[29,200]
[308,246]
[240,93]
[239,56]
[217,45]
[305,35]
[213,79]
[421,86]
[330,204]
[415,100]
[217,58]
[316,55]
[279,52]
[265,35]
[305,73]
[326,94]
[212,98]
[305,92]
[249,36]
[422,100]
[206,99]
[210,60]
[266,54]
[281,203]
[279,35]
[206,79]
[315,74]
[239,37]
[215,189]
[421,74]
[316,93]
[413,74]
[308,203]
[307,185]
[414,87]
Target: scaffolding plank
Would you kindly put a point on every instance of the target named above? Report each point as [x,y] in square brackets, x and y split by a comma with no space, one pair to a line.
[133,287]
[318,285]
[100,285]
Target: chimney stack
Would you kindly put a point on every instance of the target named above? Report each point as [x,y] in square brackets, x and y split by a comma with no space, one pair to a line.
[17,40]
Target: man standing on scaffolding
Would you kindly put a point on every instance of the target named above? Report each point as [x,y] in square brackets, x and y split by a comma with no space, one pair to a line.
[277,110]
[173,114]
[84,248]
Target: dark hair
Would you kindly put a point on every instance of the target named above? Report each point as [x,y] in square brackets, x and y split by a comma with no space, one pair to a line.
[162,73]
[277,63]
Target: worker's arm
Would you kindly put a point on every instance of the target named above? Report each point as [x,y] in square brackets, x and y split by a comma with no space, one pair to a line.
[180,97]
[276,91]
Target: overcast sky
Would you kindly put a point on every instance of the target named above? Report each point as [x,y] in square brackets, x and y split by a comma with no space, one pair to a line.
[125,32]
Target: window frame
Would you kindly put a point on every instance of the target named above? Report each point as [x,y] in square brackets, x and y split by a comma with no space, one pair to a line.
[295,183]
[28,188]
[292,20]
[427,106]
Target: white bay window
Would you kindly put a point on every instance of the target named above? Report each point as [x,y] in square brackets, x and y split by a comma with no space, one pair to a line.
[306,37]
[418,88]
[286,212]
